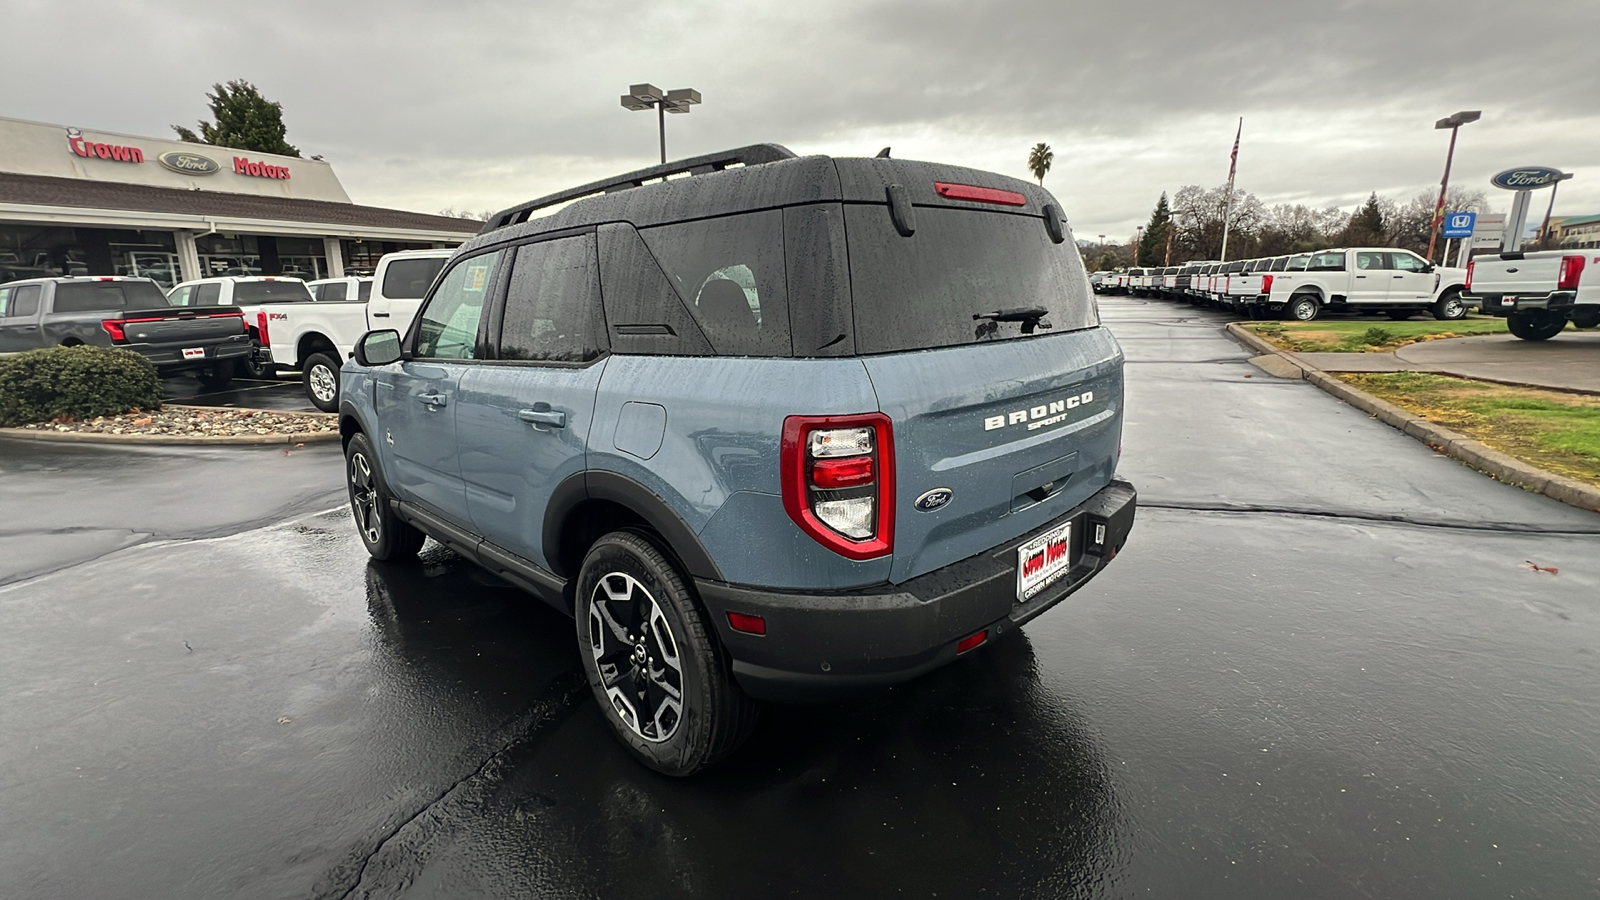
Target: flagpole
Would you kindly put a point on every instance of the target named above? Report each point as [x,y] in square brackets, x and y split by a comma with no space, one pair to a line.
[1227,212]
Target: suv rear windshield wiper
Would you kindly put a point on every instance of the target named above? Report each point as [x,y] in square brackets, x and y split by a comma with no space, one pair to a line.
[1029,316]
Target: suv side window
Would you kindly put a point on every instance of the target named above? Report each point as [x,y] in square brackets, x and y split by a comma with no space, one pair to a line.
[553,302]
[207,294]
[730,272]
[447,326]
[1405,262]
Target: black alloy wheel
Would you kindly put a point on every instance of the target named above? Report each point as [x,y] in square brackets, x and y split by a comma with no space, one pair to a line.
[385,536]
[653,660]
[321,379]
[1536,324]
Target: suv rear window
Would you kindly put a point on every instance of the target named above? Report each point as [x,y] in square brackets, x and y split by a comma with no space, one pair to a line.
[932,289]
[731,275]
[99,295]
[249,292]
[409,279]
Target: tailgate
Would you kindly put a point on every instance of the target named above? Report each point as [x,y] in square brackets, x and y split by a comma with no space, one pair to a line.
[184,325]
[1018,431]
[1533,276]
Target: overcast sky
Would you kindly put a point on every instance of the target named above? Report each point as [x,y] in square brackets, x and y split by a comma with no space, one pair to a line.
[478,105]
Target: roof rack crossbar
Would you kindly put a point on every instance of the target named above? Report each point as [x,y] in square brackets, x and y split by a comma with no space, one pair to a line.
[753,155]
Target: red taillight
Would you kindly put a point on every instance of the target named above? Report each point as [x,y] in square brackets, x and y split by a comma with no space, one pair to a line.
[261,329]
[979,194]
[842,473]
[747,623]
[1571,268]
[106,278]
[1266,284]
[967,643]
[1470,266]
[838,481]
[113,327]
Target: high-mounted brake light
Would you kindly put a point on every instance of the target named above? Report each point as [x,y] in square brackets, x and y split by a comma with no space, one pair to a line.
[1470,266]
[1571,268]
[979,194]
[838,481]
[261,329]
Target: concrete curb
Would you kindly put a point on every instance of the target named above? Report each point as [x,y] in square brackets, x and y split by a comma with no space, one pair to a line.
[1457,446]
[235,440]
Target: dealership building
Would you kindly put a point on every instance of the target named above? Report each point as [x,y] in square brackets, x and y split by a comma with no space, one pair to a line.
[80,202]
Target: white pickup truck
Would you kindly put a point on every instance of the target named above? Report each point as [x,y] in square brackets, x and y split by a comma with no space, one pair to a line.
[1537,293]
[251,293]
[317,336]
[1366,280]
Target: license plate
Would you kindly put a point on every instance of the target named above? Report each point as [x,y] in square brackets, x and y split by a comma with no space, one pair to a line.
[1042,561]
[194,353]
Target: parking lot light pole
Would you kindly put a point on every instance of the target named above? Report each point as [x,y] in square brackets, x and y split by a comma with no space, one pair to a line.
[646,96]
[1453,123]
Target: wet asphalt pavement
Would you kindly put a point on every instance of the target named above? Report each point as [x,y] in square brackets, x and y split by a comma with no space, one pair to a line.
[1321,668]
[282,393]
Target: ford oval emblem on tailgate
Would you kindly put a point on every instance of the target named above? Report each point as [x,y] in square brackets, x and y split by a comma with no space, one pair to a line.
[933,499]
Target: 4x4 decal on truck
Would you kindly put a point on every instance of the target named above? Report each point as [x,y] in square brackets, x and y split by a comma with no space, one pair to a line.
[1040,416]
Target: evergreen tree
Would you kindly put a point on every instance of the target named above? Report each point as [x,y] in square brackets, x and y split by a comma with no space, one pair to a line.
[245,120]
[1367,227]
[1153,246]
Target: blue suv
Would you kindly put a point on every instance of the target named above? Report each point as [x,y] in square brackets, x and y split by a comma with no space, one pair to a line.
[768,427]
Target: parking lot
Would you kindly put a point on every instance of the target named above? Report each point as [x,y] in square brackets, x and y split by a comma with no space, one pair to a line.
[284,393]
[1324,666]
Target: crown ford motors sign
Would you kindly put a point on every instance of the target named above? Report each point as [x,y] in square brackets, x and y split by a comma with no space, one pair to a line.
[1527,178]
[186,163]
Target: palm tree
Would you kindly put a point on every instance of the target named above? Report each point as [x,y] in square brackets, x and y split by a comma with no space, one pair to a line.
[1039,160]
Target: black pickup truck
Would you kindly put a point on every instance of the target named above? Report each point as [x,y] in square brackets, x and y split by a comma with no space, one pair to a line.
[113,311]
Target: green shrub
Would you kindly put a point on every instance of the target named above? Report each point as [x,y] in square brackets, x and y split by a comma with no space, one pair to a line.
[1376,336]
[75,382]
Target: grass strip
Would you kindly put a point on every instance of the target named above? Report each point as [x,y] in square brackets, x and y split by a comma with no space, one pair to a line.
[1556,431]
[1323,336]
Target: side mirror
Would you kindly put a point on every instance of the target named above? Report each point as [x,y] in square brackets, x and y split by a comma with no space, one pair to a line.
[1429,267]
[379,348]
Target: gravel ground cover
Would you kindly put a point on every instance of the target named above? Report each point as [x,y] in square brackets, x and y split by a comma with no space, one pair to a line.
[200,422]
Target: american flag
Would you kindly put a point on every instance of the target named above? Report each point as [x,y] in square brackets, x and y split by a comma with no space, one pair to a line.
[1233,159]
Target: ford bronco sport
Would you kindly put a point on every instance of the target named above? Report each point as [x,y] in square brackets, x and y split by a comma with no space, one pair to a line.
[786,426]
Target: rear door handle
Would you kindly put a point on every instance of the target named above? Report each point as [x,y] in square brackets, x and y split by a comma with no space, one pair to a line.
[379,315]
[434,400]
[543,416]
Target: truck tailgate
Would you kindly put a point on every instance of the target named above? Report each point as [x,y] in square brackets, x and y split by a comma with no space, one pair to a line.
[186,325]
[1534,275]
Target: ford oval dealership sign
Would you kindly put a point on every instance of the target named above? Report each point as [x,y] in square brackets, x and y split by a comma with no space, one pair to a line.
[1527,178]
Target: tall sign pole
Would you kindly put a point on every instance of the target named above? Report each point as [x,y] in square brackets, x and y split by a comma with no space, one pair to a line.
[1233,168]
[1453,123]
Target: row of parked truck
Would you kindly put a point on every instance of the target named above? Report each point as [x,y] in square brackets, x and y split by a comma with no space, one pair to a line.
[1303,286]
[252,326]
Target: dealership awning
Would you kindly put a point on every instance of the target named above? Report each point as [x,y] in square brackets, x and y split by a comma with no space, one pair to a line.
[78,202]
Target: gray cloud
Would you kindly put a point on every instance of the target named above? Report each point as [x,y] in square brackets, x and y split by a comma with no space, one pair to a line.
[478,104]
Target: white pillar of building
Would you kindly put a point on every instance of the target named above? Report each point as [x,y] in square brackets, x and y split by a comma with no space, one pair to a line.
[333,251]
[188,256]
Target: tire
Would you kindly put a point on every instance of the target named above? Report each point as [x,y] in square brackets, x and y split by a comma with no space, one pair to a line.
[1400,315]
[1301,308]
[248,366]
[320,375]
[1536,325]
[628,592]
[1588,317]
[382,533]
[1449,307]
[217,375]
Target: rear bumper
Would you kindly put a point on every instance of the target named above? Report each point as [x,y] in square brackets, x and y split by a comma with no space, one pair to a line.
[169,357]
[1501,304]
[819,645]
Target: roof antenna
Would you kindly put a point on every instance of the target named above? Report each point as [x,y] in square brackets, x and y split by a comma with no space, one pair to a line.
[882,154]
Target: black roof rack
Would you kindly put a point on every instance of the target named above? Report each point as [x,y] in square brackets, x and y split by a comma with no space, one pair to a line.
[753,155]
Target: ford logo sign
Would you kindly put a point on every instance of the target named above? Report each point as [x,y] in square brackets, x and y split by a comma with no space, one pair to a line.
[1527,178]
[934,499]
[186,163]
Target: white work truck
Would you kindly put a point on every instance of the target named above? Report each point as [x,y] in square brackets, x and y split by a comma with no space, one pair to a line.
[251,294]
[1537,293]
[317,336]
[1366,280]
